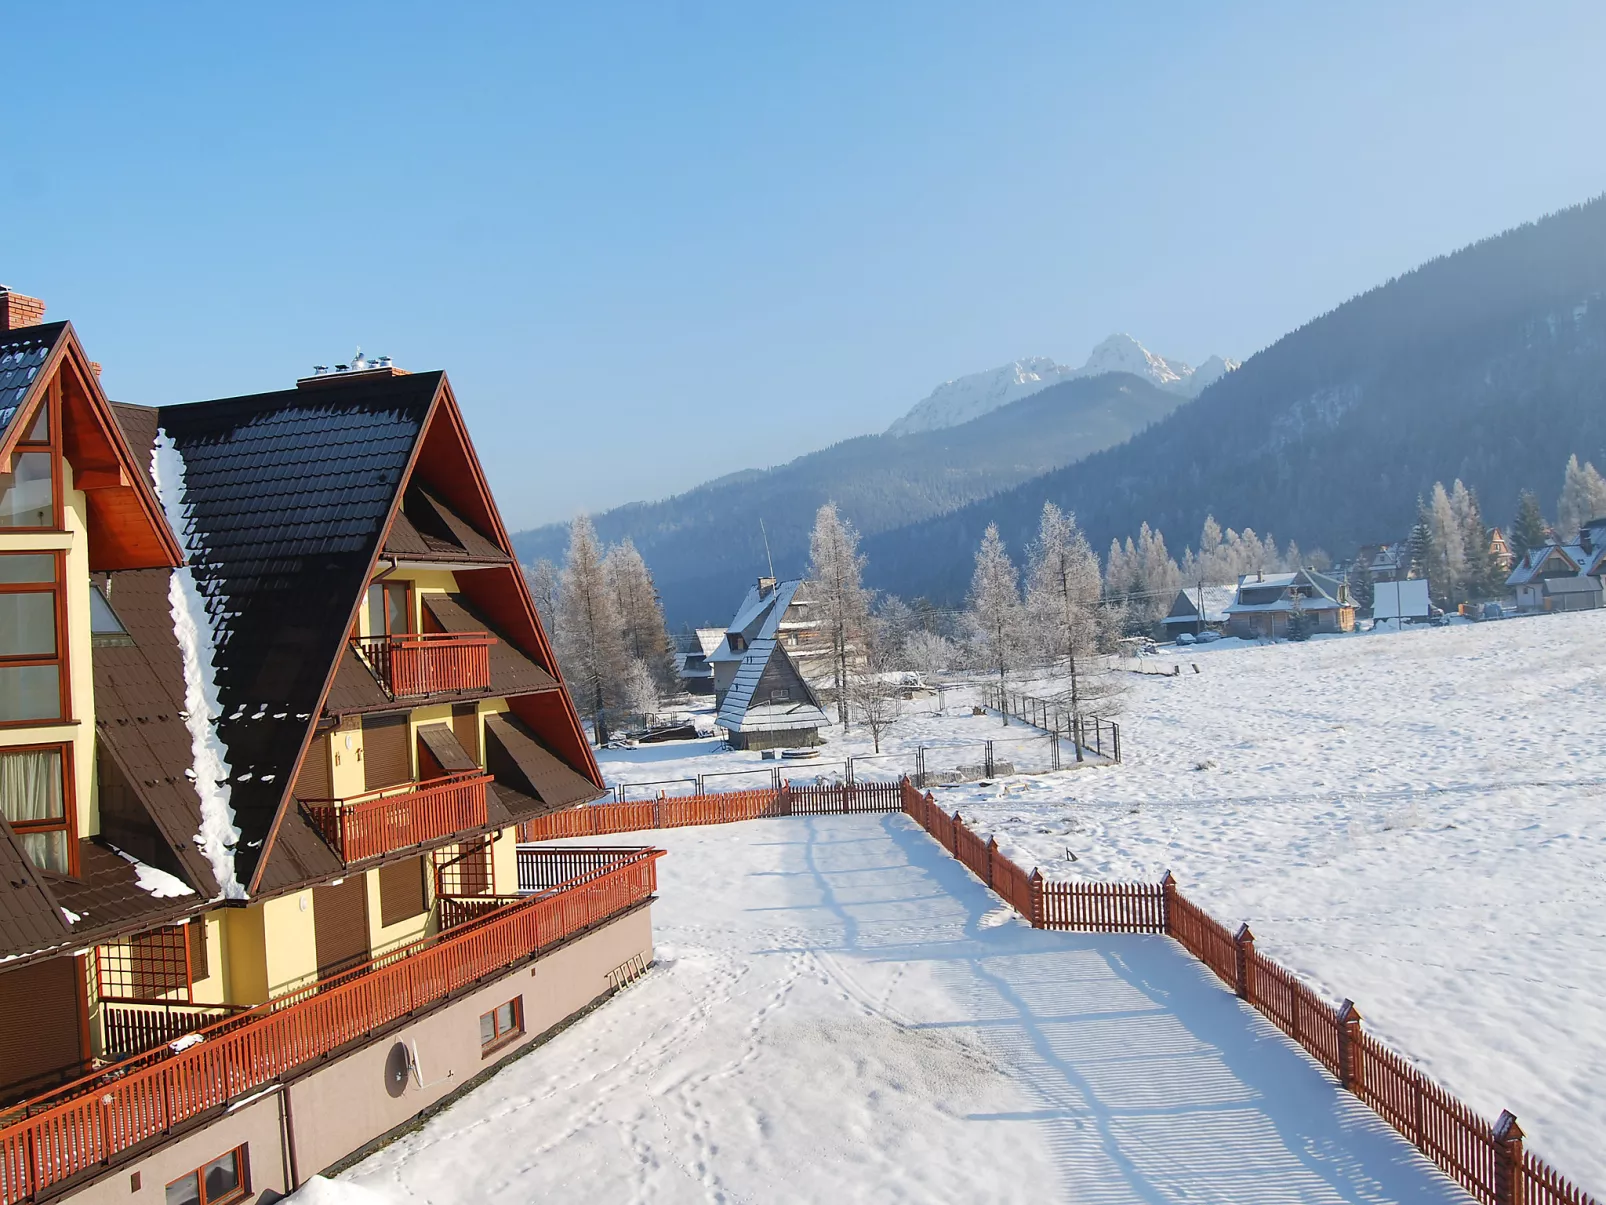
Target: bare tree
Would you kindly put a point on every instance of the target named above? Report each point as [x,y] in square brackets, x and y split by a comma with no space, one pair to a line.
[996,615]
[591,646]
[835,574]
[875,695]
[542,578]
[1063,601]
[642,614]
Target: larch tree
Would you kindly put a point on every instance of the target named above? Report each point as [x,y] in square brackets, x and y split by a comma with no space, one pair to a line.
[1528,528]
[1447,566]
[641,613]
[591,642]
[1583,497]
[542,578]
[997,616]
[1063,601]
[1482,576]
[835,587]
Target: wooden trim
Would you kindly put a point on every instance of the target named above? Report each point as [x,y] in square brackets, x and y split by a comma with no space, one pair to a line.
[58,587]
[69,801]
[51,447]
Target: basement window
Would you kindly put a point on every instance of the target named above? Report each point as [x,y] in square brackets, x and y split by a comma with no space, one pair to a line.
[221,1181]
[501,1025]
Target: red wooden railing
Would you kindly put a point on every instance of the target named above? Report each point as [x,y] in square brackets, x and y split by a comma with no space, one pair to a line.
[459,910]
[84,1125]
[380,822]
[1489,1161]
[428,663]
[681,811]
[132,1029]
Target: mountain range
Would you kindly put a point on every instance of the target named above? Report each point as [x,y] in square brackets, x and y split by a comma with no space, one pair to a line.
[1488,365]
[968,397]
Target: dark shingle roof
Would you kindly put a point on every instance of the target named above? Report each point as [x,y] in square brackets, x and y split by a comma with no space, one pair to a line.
[29,916]
[23,353]
[530,778]
[288,495]
[427,529]
[512,673]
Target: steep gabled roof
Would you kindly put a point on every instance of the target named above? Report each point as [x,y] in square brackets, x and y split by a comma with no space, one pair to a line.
[758,618]
[744,710]
[30,918]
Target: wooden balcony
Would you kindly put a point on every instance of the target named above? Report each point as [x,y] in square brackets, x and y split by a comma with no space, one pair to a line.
[381,822]
[131,1028]
[79,1130]
[428,663]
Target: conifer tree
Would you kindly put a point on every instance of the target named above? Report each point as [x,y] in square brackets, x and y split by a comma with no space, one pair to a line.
[835,576]
[1448,568]
[1361,582]
[1482,576]
[646,636]
[591,645]
[1583,497]
[1062,600]
[995,612]
[1528,529]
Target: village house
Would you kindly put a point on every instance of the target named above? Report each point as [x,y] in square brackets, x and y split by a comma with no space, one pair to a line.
[1199,608]
[1562,577]
[274,700]
[1264,604]
[769,704]
[779,611]
[691,659]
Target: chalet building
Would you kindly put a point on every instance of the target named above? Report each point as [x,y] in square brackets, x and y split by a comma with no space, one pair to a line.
[1386,562]
[1198,608]
[1265,602]
[779,611]
[691,659]
[274,700]
[1562,577]
[769,704]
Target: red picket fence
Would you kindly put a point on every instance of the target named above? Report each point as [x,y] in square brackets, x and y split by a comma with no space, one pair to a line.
[681,811]
[1489,1161]
[83,1125]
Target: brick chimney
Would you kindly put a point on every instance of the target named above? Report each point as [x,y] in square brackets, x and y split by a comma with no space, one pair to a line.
[19,311]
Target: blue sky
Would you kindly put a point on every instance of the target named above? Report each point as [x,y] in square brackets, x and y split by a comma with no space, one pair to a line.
[653,244]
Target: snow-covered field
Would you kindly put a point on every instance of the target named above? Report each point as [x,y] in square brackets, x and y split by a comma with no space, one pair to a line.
[1416,820]
[841,1013]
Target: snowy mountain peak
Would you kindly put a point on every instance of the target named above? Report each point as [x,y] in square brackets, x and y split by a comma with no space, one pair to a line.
[960,400]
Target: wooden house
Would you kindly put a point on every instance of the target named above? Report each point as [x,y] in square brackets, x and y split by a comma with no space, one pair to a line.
[1198,608]
[769,704]
[1265,602]
[274,707]
[1562,577]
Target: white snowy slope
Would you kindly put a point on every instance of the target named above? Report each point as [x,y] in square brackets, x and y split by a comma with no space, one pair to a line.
[959,401]
[840,1013]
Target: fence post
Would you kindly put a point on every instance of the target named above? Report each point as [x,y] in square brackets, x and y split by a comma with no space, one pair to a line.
[1115,739]
[987,761]
[1168,888]
[992,852]
[1036,885]
[1509,1180]
[954,829]
[1349,1046]
[1243,943]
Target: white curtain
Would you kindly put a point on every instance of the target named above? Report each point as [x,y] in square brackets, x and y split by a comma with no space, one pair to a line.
[30,785]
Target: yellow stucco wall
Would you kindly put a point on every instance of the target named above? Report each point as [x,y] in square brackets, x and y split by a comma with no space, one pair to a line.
[292,949]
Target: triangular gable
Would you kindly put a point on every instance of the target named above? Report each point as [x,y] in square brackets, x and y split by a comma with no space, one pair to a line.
[127,529]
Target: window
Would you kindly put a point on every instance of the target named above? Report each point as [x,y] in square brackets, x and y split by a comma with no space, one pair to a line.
[226,1178]
[28,489]
[781,694]
[104,626]
[32,638]
[389,608]
[501,1025]
[37,803]
[151,965]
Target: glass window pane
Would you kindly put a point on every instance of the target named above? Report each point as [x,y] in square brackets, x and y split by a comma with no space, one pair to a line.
[376,610]
[186,1191]
[47,851]
[25,493]
[30,692]
[103,620]
[396,597]
[222,1176]
[28,624]
[505,1022]
[26,567]
[30,786]
[487,1029]
[41,427]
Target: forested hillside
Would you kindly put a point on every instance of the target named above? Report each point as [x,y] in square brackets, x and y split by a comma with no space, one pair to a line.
[705,547]
[1488,365]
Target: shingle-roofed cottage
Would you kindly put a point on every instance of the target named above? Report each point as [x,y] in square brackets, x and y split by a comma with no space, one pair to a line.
[275,704]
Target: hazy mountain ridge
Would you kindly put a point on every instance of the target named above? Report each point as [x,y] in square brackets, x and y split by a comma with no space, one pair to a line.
[704,546]
[1488,364]
[969,397]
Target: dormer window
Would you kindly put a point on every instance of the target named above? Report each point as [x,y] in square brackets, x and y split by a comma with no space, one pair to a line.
[104,626]
[737,641]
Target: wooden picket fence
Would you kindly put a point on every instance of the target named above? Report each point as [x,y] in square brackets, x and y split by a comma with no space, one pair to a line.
[1489,1161]
[681,811]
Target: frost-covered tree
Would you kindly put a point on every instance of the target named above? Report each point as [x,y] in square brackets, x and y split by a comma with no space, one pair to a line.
[638,690]
[1482,571]
[894,622]
[997,618]
[930,653]
[835,586]
[1064,603]
[874,694]
[641,613]
[1528,528]
[591,643]
[542,578]
[1446,562]
[1583,497]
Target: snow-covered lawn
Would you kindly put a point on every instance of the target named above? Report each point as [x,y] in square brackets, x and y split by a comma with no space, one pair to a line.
[841,1013]
[1416,820]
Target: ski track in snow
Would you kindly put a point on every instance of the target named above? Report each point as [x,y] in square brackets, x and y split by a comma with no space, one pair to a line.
[836,1015]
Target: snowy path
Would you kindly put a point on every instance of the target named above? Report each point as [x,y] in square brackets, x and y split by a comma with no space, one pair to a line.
[842,1014]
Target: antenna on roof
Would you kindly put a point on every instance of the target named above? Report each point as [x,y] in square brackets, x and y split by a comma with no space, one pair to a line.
[767,555]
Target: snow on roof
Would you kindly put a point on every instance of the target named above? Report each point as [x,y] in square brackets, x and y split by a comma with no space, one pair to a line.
[1324,598]
[742,713]
[1532,561]
[758,618]
[1216,601]
[710,639]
